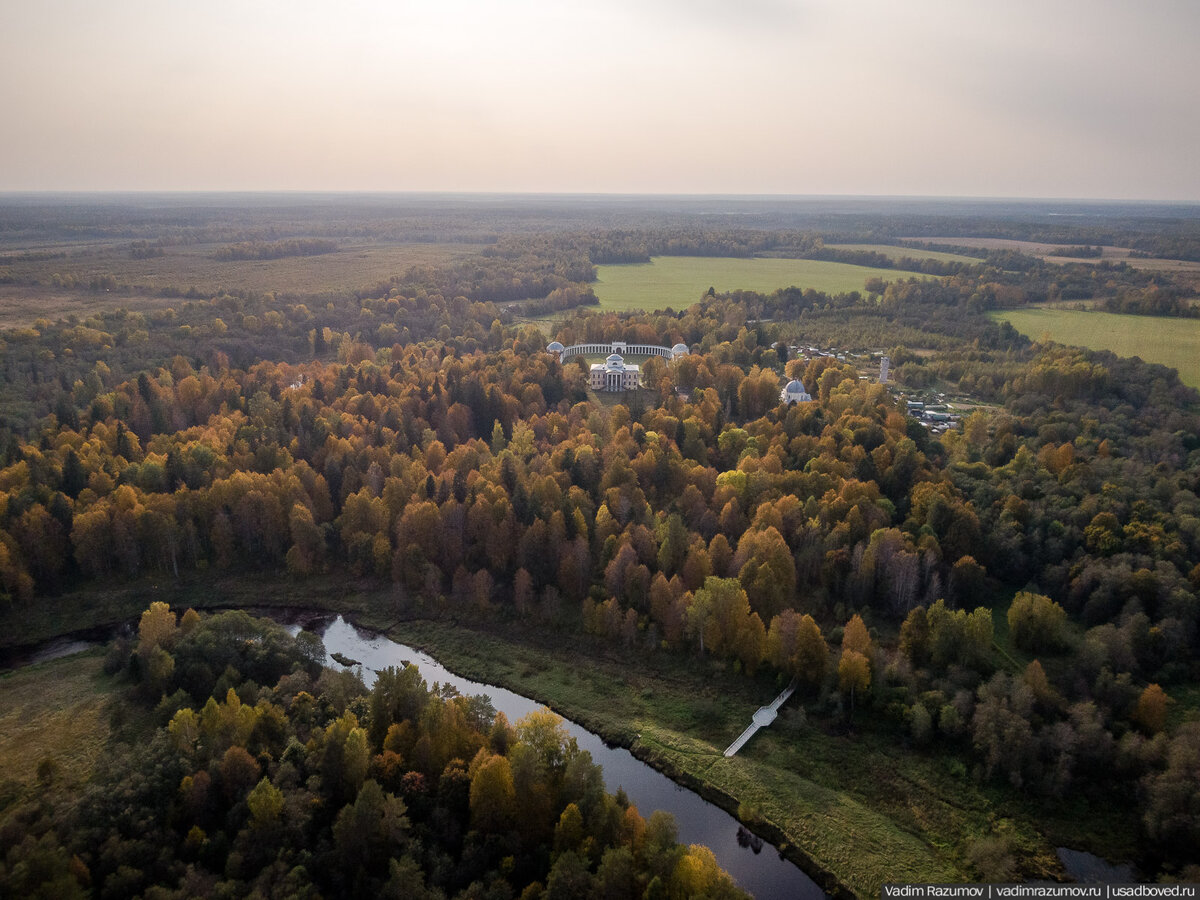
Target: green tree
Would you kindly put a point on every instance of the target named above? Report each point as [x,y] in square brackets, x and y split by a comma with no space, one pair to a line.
[1037,623]
[367,832]
[1171,812]
[493,797]
[356,758]
[265,803]
[914,637]
[812,653]
[673,545]
[569,833]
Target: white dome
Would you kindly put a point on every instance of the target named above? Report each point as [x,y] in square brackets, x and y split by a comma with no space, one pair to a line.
[615,362]
[679,348]
[555,347]
[795,386]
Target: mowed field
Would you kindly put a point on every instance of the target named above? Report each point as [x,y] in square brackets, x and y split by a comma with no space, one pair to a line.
[1043,251]
[1170,341]
[680,281]
[351,267]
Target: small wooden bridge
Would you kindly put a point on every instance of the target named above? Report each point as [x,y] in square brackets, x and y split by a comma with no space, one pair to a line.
[762,718]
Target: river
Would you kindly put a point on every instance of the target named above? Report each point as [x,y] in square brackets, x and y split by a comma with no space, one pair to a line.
[762,872]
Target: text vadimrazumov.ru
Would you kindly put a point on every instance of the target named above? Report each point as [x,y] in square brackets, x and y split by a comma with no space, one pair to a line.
[1102,891]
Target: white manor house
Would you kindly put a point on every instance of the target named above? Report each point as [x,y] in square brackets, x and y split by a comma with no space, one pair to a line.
[614,374]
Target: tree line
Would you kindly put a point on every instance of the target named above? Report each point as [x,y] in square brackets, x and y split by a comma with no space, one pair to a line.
[421,438]
[266,774]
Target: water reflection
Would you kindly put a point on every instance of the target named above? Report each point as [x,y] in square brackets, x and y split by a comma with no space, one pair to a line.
[765,875]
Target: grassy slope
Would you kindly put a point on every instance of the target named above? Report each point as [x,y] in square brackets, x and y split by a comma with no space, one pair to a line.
[55,709]
[680,281]
[858,805]
[1170,341]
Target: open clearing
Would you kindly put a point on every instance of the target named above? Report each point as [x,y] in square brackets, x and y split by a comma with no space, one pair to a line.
[353,266]
[1043,251]
[54,710]
[1170,341]
[893,252]
[680,281]
[21,305]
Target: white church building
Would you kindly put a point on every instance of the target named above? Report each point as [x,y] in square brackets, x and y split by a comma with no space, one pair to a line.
[794,392]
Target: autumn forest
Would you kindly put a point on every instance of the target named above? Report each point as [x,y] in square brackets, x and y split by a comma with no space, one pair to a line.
[1013,600]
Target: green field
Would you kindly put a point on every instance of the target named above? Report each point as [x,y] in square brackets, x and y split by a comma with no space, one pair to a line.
[893,252]
[56,710]
[1170,341]
[680,281]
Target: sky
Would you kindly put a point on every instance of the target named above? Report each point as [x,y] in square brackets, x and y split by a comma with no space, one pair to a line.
[976,98]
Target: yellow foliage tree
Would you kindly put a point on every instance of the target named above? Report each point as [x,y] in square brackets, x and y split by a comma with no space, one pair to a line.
[493,797]
[856,637]
[854,674]
[265,803]
[1151,709]
[156,628]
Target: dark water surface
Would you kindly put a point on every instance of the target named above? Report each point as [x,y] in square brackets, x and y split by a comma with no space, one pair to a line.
[1087,868]
[760,871]
[763,873]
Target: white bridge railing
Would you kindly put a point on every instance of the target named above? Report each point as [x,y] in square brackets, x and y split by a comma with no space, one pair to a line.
[763,717]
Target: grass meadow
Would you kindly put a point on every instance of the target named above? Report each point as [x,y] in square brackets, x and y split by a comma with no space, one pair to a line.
[680,281]
[854,800]
[893,252]
[54,710]
[858,802]
[353,266]
[1171,341]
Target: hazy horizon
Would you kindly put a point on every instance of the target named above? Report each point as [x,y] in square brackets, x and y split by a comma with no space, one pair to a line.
[811,98]
[299,194]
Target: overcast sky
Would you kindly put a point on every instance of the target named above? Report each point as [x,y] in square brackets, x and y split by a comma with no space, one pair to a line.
[991,98]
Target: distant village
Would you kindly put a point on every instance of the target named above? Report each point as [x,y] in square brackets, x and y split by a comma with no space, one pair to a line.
[928,407]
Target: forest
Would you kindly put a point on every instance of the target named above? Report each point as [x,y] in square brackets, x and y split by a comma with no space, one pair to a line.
[318,787]
[1018,594]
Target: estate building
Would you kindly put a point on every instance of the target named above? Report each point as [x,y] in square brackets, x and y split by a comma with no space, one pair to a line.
[614,374]
[794,392]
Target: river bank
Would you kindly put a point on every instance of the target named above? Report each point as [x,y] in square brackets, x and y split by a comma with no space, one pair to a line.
[853,808]
[757,866]
[860,804]
[678,720]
